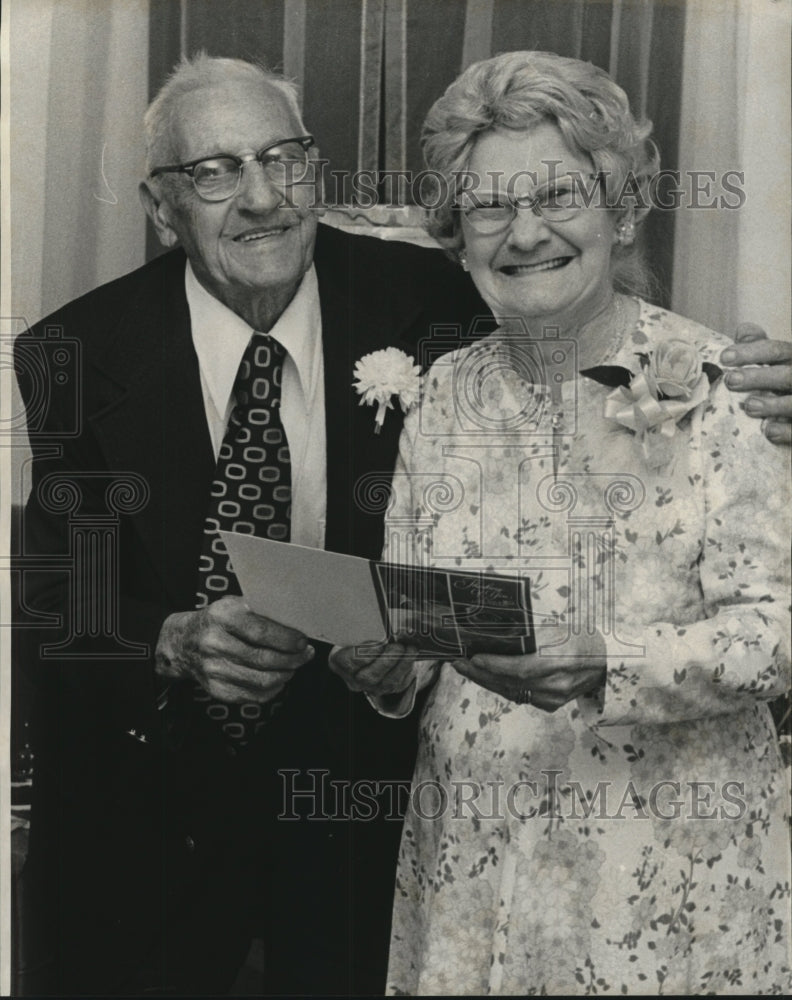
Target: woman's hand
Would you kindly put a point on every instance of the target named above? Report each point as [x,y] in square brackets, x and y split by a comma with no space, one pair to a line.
[376,668]
[547,679]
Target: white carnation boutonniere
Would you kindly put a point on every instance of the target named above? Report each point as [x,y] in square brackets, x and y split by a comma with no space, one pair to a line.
[381,375]
[672,382]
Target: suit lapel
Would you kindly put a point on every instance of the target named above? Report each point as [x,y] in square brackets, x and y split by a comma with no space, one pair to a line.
[336,348]
[358,459]
[156,426]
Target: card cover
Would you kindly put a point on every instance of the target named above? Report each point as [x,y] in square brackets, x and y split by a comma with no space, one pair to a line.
[347,601]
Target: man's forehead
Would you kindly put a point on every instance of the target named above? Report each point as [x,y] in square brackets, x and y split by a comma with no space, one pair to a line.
[229,117]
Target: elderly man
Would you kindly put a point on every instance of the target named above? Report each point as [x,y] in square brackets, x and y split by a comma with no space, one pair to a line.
[217,381]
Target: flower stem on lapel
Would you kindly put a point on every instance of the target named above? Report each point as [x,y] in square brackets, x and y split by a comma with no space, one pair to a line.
[381,375]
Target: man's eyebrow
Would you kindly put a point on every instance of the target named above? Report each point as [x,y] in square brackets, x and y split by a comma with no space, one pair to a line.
[212,151]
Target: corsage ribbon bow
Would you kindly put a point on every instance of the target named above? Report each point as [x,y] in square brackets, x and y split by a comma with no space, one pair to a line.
[637,408]
[672,382]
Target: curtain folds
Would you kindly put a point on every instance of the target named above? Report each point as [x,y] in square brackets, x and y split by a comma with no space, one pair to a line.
[77,94]
[714,79]
[732,265]
[372,45]
[370,69]
[400,55]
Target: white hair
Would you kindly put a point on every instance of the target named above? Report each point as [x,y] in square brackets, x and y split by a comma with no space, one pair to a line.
[193,73]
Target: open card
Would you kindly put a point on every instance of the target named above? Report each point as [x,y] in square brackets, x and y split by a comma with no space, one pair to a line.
[346,601]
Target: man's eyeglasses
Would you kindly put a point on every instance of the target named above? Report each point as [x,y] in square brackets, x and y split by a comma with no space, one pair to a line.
[558,201]
[217,178]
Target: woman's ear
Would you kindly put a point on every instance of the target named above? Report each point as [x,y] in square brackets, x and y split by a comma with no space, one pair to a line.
[624,233]
[158,210]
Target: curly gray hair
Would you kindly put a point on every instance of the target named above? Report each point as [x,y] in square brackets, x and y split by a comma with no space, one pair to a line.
[518,90]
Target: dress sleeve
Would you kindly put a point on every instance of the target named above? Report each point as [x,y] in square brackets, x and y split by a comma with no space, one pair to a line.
[741,650]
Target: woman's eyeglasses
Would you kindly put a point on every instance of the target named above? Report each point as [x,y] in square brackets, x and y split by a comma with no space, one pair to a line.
[217,178]
[558,201]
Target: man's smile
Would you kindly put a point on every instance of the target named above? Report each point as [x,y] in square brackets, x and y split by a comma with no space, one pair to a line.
[261,233]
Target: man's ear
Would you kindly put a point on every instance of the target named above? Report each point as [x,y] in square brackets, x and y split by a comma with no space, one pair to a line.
[158,210]
[318,165]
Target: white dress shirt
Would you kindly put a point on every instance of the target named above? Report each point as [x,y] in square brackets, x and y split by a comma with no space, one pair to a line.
[220,338]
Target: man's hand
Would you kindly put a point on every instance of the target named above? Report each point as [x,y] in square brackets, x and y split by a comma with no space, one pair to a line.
[541,679]
[377,668]
[233,653]
[774,380]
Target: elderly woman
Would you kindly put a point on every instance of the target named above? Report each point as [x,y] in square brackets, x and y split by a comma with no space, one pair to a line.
[607,813]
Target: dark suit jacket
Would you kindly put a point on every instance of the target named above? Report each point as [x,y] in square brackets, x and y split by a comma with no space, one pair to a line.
[153,850]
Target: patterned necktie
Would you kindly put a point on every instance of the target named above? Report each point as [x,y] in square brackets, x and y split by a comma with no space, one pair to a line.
[251,493]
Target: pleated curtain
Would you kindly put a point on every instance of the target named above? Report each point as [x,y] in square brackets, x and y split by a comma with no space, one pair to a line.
[370,69]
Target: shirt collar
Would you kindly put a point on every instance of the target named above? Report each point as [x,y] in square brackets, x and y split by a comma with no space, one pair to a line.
[220,336]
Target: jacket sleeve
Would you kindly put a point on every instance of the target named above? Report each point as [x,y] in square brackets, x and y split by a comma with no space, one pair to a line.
[85,641]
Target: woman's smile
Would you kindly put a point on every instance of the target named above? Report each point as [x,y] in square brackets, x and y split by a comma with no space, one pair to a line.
[518,270]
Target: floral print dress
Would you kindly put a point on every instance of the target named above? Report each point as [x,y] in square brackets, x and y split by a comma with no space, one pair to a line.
[636,842]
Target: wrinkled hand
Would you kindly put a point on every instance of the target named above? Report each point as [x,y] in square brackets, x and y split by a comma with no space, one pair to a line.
[554,675]
[774,379]
[233,653]
[376,668]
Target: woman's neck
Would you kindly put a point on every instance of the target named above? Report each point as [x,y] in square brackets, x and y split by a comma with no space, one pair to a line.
[598,336]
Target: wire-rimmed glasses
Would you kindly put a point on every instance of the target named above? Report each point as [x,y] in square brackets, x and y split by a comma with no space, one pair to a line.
[559,200]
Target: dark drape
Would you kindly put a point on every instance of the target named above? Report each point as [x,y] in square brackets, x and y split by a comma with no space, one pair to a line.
[370,69]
